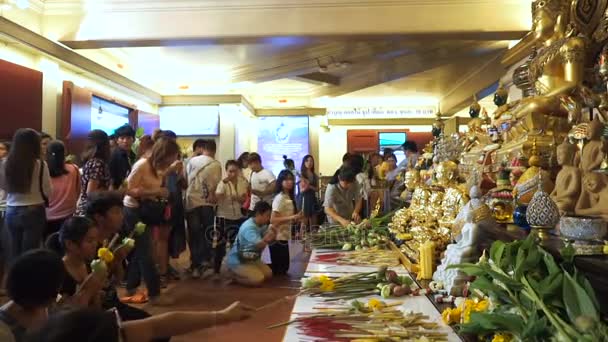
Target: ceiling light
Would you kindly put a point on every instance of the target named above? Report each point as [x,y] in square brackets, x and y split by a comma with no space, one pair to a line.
[22,4]
[184,87]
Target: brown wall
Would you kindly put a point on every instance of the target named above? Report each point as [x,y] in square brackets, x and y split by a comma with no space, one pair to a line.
[20,99]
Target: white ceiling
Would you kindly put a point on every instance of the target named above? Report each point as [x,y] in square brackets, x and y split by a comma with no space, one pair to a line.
[270,50]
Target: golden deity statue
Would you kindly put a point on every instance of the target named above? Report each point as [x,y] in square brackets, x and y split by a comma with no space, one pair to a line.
[411,181]
[455,196]
[528,183]
[557,72]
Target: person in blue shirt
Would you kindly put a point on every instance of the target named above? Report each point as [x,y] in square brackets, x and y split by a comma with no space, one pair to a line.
[254,235]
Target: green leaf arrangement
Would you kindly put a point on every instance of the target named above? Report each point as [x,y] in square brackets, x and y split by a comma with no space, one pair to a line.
[533,297]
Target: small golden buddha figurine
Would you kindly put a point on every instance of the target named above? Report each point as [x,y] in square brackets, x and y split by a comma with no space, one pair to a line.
[502,197]
[455,197]
[528,183]
[476,137]
[411,181]
[568,183]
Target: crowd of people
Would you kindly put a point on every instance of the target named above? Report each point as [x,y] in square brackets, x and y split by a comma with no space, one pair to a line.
[72,206]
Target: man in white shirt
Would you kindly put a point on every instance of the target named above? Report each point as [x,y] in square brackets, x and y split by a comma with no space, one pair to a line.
[262,182]
[203,173]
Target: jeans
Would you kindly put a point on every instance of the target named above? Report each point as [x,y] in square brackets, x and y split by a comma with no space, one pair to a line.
[279,257]
[142,258]
[226,232]
[200,235]
[25,226]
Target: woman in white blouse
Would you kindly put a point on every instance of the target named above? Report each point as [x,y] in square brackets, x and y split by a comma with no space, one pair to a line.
[230,194]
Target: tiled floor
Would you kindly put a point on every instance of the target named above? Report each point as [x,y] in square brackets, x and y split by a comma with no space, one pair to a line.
[206,294]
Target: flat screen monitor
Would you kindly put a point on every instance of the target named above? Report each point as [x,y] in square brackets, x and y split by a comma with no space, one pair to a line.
[280,136]
[393,140]
[107,116]
[190,120]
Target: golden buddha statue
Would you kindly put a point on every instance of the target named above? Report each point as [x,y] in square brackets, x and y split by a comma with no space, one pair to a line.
[455,196]
[411,181]
[476,137]
[528,183]
[557,72]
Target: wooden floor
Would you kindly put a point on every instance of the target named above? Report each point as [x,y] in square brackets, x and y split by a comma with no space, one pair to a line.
[208,294]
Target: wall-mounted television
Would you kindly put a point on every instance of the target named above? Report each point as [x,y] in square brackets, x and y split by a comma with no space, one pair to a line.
[393,140]
[107,116]
[190,120]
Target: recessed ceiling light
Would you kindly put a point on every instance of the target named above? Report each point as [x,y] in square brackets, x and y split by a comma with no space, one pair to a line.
[184,87]
[120,66]
[22,4]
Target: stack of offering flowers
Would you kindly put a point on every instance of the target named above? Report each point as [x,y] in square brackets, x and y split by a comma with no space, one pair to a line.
[372,321]
[382,282]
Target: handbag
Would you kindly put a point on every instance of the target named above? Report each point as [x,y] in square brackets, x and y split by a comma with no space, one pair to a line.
[153,211]
[247,255]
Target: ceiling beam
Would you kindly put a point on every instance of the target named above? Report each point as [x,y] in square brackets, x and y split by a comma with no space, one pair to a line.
[251,40]
[308,59]
[319,78]
[382,71]
[267,18]
[50,48]
[461,94]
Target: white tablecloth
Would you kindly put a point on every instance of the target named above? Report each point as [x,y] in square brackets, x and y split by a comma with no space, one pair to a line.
[305,304]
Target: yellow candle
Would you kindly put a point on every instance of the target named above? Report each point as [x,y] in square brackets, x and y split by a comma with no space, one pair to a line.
[426,260]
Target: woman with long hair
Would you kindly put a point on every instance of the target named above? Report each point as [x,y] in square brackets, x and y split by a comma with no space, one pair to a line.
[95,171]
[308,201]
[27,183]
[77,242]
[65,179]
[144,148]
[281,220]
[230,194]
[146,200]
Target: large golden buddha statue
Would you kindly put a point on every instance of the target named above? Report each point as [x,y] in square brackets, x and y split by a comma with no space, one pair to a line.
[557,72]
